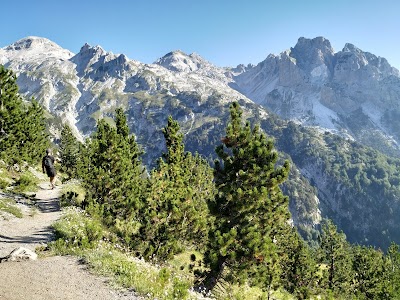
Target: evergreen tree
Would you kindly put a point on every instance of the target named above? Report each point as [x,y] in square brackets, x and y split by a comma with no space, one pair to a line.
[35,139]
[22,126]
[393,270]
[297,264]
[370,277]
[69,152]
[176,210]
[250,211]
[335,253]
[114,177]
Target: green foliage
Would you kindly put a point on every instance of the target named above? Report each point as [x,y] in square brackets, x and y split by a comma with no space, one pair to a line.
[250,210]
[176,212]
[335,252]
[81,235]
[393,270]
[113,175]
[130,273]
[72,193]
[8,206]
[366,177]
[23,129]
[27,182]
[4,184]
[69,152]
[370,277]
[77,230]
[298,265]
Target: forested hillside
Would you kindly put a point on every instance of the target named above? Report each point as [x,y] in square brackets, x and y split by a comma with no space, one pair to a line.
[233,214]
[330,177]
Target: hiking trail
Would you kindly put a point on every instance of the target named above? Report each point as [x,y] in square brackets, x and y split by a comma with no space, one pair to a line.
[49,278]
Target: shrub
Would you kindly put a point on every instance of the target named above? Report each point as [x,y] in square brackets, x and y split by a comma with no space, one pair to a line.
[76,230]
[72,194]
[3,184]
[7,206]
[26,183]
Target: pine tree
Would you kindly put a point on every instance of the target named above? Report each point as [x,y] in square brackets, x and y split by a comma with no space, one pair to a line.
[114,176]
[335,253]
[250,210]
[176,210]
[297,264]
[69,152]
[393,271]
[22,125]
[370,278]
[10,115]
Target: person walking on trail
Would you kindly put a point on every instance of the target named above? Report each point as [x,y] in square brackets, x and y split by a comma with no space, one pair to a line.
[48,167]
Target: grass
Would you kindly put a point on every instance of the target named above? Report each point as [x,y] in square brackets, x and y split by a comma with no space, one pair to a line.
[72,193]
[80,235]
[4,183]
[27,182]
[155,282]
[8,206]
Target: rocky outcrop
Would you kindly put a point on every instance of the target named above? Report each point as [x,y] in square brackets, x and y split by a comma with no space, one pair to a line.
[314,86]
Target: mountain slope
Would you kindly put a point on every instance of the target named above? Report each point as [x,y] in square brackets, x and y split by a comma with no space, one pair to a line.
[306,84]
[353,93]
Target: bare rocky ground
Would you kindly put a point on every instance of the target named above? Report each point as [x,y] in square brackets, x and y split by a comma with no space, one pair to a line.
[57,277]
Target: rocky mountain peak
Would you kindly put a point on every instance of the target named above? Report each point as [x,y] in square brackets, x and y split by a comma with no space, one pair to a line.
[313,53]
[32,42]
[181,62]
[88,50]
[353,59]
[351,48]
[34,48]
[241,68]
[87,56]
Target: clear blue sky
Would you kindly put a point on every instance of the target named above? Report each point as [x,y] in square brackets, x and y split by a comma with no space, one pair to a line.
[225,32]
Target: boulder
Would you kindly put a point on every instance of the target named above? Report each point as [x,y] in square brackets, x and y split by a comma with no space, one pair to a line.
[19,254]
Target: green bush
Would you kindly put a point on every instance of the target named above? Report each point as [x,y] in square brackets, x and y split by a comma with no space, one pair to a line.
[3,184]
[26,183]
[72,194]
[76,230]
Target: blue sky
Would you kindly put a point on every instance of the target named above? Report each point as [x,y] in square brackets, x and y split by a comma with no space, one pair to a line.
[224,32]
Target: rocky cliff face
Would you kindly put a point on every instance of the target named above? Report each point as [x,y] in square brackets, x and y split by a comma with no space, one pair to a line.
[353,93]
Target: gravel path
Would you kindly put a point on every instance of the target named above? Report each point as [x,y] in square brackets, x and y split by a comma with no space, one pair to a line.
[57,277]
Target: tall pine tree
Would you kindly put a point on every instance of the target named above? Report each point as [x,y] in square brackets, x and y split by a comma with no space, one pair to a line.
[114,176]
[393,270]
[370,280]
[22,125]
[69,152]
[297,264]
[176,210]
[335,254]
[250,210]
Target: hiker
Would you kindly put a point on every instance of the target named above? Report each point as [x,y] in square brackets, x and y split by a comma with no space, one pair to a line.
[48,164]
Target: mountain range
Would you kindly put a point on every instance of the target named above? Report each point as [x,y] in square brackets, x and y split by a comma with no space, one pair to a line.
[333,114]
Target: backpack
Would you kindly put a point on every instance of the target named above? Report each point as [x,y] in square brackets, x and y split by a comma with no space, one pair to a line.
[47,162]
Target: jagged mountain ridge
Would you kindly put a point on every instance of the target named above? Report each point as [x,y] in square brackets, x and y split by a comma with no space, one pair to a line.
[352,93]
[79,89]
[73,86]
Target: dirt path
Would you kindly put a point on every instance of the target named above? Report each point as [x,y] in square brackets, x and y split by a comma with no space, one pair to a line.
[49,278]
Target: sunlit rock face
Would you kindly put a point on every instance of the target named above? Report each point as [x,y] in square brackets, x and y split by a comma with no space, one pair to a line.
[351,92]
